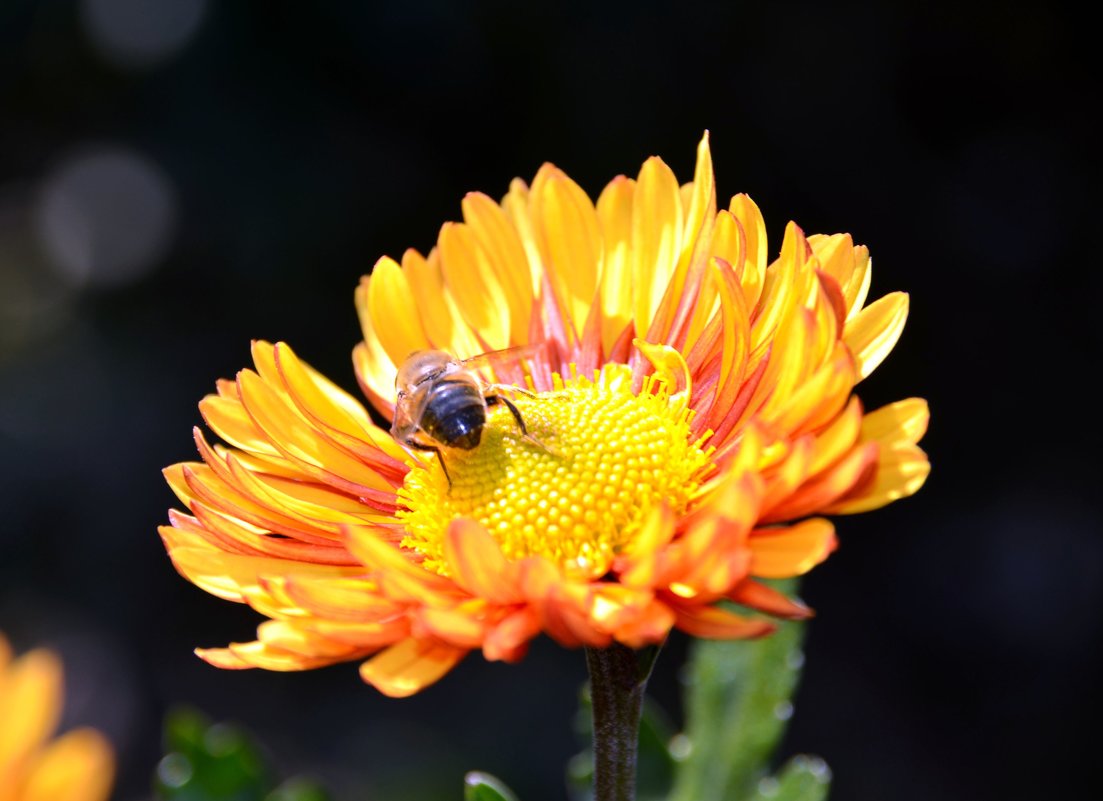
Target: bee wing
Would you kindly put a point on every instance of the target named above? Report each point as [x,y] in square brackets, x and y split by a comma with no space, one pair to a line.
[506,365]
[407,415]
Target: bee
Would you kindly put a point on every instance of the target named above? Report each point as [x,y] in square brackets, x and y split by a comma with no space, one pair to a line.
[442,401]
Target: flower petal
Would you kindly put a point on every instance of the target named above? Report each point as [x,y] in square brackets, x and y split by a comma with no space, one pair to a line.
[872,334]
[656,236]
[79,766]
[30,702]
[791,551]
[712,622]
[410,666]
[477,563]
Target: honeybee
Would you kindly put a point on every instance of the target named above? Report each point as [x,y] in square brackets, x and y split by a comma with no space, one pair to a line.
[442,401]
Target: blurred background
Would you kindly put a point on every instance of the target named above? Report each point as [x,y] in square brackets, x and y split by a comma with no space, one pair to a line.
[179,178]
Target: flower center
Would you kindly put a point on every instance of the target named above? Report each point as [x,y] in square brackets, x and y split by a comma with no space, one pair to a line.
[577,490]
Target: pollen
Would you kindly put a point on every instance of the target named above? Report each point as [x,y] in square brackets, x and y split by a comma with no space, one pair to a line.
[577,489]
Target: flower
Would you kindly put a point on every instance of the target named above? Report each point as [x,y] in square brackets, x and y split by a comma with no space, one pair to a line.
[78,766]
[689,417]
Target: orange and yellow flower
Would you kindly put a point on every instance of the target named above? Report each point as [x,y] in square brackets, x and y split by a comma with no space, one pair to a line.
[692,419]
[78,766]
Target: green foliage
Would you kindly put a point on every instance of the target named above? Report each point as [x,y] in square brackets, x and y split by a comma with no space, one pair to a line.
[478,786]
[207,761]
[802,779]
[737,702]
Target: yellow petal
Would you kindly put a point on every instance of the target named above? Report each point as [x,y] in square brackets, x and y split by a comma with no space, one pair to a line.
[901,472]
[394,315]
[753,270]
[295,638]
[702,204]
[297,439]
[475,287]
[228,418]
[565,220]
[614,213]
[872,334]
[656,237]
[327,404]
[375,370]
[260,655]
[857,288]
[506,255]
[897,423]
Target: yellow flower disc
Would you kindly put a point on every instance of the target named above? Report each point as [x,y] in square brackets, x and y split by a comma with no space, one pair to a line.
[603,456]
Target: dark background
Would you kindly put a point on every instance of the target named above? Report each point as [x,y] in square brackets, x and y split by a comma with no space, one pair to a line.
[173,186]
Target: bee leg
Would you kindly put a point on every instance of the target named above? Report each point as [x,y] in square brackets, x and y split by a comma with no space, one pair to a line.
[440,457]
[492,399]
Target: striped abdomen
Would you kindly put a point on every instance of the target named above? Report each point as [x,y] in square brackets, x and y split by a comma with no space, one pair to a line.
[455,414]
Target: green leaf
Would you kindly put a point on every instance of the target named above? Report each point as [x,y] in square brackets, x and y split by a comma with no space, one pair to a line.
[479,786]
[207,761]
[299,789]
[804,778]
[737,703]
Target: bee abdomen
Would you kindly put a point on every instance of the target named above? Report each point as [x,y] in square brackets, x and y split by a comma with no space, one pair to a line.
[455,415]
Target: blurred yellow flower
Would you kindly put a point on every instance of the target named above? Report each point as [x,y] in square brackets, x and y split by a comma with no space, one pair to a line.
[78,766]
[689,411]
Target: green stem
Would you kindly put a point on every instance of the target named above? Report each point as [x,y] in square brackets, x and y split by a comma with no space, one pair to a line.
[618,676]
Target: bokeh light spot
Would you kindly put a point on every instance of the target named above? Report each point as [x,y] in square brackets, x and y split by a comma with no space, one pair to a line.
[138,34]
[105,218]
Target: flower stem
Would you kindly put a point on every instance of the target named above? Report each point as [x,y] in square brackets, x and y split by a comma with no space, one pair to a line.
[618,675]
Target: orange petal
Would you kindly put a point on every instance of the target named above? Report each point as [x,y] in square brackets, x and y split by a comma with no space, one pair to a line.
[455,626]
[561,606]
[648,626]
[766,599]
[821,491]
[268,657]
[409,666]
[477,563]
[222,658]
[30,701]
[78,766]
[712,622]
[229,575]
[291,636]
[508,640]
[339,599]
[791,551]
